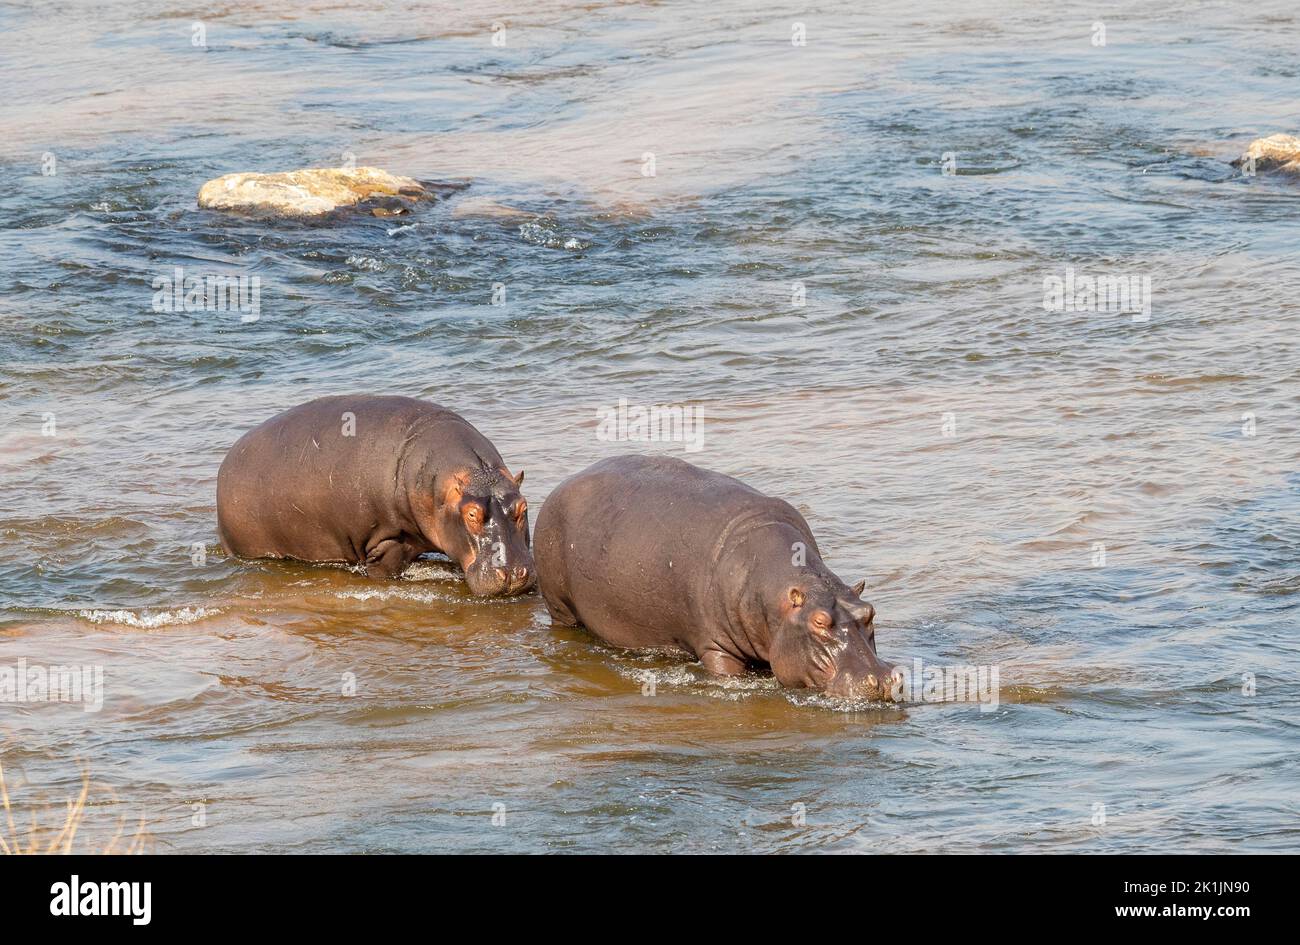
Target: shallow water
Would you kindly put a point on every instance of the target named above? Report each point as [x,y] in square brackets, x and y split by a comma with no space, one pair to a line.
[947,438]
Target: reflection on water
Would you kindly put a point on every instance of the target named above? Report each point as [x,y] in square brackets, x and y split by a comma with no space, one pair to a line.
[1103,509]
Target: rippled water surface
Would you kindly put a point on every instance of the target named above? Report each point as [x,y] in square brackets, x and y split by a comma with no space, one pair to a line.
[969,453]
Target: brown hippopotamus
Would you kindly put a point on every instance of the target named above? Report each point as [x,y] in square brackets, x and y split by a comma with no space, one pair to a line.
[376,481]
[654,552]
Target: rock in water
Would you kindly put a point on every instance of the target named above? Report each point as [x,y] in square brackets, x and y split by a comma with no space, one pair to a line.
[312,192]
[488,209]
[1274,153]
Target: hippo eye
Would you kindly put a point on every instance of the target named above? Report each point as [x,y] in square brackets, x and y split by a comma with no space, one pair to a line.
[822,623]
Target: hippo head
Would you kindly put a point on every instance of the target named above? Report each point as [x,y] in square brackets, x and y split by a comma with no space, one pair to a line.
[826,639]
[482,522]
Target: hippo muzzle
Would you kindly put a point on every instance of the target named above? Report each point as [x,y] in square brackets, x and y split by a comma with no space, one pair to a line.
[879,684]
[496,556]
[501,566]
[828,643]
[859,671]
[492,581]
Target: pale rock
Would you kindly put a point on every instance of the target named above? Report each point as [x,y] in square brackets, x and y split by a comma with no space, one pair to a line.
[1274,153]
[312,192]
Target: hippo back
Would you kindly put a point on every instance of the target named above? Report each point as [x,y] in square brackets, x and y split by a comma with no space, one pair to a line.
[629,547]
[314,481]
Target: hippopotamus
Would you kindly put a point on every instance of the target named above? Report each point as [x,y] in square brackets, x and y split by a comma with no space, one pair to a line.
[376,481]
[653,552]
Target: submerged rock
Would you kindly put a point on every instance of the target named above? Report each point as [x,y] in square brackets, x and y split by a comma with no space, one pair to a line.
[1274,153]
[313,192]
[487,208]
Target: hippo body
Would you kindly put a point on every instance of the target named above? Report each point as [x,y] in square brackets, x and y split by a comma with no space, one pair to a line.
[655,552]
[375,481]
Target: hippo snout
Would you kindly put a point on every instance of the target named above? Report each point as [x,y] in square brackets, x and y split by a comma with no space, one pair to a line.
[879,684]
[520,579]
[514,581]
[501,582]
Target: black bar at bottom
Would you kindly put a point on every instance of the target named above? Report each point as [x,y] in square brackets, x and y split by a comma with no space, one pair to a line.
[330,894]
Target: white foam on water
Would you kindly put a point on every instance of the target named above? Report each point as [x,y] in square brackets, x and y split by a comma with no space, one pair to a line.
[398,593]
[431,571]
[146,621]
[543,232]
[805,698]
[691,677]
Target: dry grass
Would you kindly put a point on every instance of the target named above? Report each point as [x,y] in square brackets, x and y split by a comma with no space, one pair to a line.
[52,838]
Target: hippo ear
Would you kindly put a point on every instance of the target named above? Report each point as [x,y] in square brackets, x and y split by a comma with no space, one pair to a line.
[519,479]
[859,587]
[796,597]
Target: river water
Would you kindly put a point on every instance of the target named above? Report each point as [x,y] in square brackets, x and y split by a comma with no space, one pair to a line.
[835,251]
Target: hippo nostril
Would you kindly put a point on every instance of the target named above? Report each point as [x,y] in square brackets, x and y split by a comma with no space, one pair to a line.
[501,574]
[871,681]
[520,574]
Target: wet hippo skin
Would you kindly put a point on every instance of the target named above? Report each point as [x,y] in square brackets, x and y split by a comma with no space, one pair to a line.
[376,481]
[655,552]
